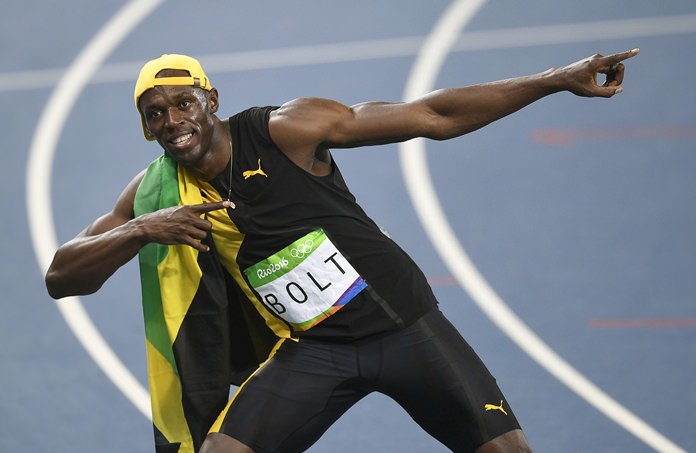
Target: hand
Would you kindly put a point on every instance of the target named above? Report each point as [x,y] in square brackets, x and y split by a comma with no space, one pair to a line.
[581,77]
[181,224]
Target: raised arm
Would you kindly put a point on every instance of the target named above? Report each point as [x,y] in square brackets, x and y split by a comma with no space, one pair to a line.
[303,127]
[83,264]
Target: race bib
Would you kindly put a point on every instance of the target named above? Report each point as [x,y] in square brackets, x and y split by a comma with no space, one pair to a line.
[306,282]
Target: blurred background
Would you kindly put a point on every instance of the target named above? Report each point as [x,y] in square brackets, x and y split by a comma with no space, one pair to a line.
[579,213]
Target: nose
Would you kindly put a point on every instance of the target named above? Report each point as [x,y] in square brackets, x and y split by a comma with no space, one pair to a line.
[172,116]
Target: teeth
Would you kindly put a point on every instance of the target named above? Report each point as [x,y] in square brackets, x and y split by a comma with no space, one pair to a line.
[181,139]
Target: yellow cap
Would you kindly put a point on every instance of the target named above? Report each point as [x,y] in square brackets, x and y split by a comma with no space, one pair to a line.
[148,78]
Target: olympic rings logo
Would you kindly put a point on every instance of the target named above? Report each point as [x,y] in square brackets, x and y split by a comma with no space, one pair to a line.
[302,250]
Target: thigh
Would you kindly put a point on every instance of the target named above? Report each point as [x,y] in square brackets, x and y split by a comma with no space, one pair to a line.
[441,382]
[294,397]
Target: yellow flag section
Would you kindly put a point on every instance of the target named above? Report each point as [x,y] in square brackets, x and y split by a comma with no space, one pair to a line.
[226,234]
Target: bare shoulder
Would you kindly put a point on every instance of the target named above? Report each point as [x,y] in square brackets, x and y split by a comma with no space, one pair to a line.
[304,127]
[309,124]
[309,115]
[309,106]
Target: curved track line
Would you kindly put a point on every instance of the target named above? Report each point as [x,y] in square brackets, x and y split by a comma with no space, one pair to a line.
[38,189]
[425,201]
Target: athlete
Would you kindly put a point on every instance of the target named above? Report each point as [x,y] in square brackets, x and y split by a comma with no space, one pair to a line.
[260,270]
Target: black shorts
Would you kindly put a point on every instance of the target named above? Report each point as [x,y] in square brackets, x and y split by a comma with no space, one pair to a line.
[427,368]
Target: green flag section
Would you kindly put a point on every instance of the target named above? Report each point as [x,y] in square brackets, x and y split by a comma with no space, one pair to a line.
[202,334]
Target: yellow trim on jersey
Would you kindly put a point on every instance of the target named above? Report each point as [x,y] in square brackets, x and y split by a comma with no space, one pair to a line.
[218,423]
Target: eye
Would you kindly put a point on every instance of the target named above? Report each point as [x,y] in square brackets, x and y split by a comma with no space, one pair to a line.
[185,103]
[153,114]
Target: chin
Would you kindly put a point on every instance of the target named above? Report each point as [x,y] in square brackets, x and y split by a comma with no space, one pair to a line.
[187,156]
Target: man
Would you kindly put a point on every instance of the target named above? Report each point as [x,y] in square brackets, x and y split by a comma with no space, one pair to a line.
[259,268]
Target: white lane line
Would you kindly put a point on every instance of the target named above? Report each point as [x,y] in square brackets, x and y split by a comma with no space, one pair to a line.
[426,203]
[378,49]
[605,30]
[38,188]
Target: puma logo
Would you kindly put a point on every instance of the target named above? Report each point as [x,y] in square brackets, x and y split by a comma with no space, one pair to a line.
[491,407]
[249,173]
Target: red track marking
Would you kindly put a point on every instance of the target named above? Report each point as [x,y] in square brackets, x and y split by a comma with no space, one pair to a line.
[567,137]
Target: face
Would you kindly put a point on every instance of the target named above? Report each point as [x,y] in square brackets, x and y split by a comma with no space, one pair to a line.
[181,118]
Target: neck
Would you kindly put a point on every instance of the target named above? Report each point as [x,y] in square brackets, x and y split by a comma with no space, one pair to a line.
[218,155]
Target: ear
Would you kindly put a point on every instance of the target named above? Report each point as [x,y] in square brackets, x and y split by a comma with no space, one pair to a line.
[146,128]
[213,101]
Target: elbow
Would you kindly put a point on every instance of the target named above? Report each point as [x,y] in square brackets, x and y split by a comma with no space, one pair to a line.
[55,278]
[453,130]
[442,127]
[54,285]
[448,133]
[59,286]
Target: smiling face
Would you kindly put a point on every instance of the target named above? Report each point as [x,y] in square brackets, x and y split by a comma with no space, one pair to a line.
[181,118]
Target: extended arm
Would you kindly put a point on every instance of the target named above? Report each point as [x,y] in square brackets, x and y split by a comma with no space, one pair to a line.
[304,127]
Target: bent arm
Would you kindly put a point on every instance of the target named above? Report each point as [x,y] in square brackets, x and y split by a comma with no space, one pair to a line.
[83,264]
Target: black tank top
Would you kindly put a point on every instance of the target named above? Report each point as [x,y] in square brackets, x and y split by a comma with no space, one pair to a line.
[278,203]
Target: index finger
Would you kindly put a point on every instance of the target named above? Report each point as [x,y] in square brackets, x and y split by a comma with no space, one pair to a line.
[207,207]
[619,57]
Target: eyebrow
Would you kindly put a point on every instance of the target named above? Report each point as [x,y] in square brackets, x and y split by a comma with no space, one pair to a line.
[177,96]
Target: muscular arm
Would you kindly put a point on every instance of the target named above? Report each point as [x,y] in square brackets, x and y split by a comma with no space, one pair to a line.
[83,264]
[303,128]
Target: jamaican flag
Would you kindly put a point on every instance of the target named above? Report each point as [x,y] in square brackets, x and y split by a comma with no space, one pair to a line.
[202,333]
